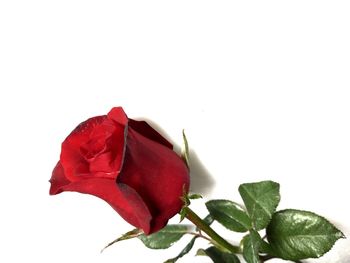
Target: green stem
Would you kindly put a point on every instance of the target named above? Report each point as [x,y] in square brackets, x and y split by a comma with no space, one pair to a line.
[195,219]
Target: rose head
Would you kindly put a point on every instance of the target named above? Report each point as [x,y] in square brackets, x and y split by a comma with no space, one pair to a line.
[126,163]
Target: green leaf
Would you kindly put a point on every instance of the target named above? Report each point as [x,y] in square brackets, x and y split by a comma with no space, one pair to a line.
[201,252]
[185,152]
[187,249]
[229,215]
[261,200]
[251,246]
[295,234]
[208,219]
[265,248]
[186,202]
[182,214]
[164,238]
[131,234]
[194,196]
[218,256]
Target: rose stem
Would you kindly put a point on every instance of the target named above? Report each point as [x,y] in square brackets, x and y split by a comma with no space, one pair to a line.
[195,219]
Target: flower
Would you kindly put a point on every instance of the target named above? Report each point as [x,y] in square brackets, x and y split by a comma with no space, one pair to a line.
[126,163]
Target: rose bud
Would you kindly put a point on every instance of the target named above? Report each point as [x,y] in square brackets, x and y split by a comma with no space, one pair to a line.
[126,163]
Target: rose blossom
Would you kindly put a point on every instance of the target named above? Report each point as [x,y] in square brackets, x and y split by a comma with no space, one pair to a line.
[126,163]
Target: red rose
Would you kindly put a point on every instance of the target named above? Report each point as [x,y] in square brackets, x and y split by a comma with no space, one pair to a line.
[126,163]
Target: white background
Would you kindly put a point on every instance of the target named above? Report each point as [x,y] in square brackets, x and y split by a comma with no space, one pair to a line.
[262,89]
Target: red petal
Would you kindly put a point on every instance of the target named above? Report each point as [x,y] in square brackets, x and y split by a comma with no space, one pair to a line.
[118,115]
[122,198]
[58,179]
[157,174]
[82,132]
[79,149]
[71,157]
[146,130]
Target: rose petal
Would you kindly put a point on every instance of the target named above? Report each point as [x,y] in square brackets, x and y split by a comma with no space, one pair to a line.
[118,115]
[146,130]
[157,174]
[72,161]
[58,179]
[82,132]
[121,198]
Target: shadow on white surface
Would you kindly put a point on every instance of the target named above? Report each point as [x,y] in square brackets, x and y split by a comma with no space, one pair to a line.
[201,180]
